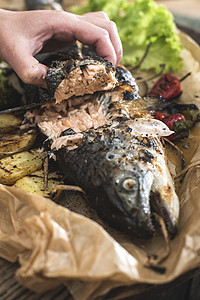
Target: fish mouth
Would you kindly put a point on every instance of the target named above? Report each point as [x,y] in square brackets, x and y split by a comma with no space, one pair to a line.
[159,207]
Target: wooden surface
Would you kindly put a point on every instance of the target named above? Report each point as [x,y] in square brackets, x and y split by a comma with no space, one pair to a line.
[181,289]
[10,289]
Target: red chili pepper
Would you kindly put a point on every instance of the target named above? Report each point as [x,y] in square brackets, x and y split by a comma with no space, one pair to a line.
[167,86]
[159,115]
[172,119]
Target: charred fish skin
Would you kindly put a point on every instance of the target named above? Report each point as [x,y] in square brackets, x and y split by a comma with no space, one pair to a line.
[123,174]
[71,52]
[74,77]
[124,76]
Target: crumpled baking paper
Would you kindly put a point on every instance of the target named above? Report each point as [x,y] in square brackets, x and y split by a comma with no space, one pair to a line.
[57,246]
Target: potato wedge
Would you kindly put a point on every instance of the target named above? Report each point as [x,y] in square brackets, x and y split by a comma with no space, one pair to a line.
[14,143]
[18,165]
[34,183]
[9,122]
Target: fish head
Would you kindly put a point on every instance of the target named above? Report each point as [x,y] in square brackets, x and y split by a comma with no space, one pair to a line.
[126,195]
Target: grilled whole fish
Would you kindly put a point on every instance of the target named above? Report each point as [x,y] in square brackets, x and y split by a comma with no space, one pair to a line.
[109,144]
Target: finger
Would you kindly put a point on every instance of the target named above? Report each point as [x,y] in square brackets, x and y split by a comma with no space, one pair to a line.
[27,67]
[33,72]
[87,33]
[99,37]
[112,30]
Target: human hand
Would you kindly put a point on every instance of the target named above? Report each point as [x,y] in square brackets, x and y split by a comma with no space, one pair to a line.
[24,34]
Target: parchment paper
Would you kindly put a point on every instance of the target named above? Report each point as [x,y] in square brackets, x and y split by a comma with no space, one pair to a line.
[55,245]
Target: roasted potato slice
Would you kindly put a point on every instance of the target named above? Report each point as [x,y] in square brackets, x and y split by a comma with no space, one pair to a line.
[18,165]
[9,122]
[34,183]
[14,143]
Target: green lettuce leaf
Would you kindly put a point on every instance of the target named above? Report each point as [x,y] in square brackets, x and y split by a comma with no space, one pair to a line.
[140,23]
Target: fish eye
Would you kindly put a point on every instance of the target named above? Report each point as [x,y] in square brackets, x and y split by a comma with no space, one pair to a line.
[129,184]
[111,156]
